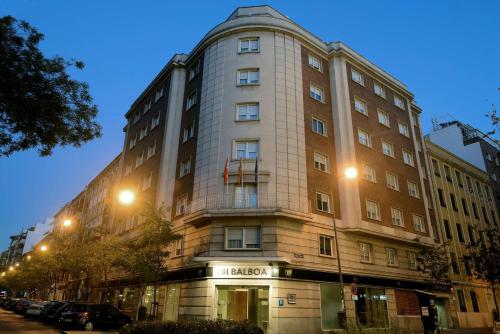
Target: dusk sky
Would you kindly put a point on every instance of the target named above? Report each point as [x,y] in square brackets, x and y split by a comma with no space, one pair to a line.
[446,52]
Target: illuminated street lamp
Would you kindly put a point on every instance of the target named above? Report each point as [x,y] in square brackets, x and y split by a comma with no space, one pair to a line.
[126,197]
[3,274]
[67,223]
[11,268]
[28,257]
[43,248]
[351,173]
[17,264]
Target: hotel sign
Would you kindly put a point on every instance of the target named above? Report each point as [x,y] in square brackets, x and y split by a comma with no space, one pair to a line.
[242,272]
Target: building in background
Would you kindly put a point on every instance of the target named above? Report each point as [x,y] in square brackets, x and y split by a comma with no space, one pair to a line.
[14,253]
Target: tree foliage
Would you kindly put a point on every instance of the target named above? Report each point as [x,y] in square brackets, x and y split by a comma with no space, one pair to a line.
[40,105]
[433,261]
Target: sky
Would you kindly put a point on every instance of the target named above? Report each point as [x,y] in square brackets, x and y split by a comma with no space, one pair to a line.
[446,52]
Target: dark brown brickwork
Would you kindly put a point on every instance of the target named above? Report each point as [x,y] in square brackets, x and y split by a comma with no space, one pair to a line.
[373,156]
[318,180]
[407,302]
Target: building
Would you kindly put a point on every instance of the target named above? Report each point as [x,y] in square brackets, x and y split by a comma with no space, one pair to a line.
[36,234]
[290,114]
[465,205]
[14,253]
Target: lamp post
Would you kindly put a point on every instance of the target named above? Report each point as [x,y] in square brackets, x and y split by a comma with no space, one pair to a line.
[350,173]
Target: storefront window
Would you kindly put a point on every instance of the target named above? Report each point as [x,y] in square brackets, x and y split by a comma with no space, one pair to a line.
[126,299]
[148,300]
[332,316]
[172,302]
[371,308]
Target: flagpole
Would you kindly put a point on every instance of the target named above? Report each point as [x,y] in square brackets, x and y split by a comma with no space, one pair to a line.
[227,184]
[257,180]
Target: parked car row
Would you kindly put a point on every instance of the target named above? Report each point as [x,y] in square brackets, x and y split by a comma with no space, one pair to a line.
[68,315]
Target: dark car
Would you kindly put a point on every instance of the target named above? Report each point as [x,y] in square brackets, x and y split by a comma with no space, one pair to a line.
[22,305]
[10,304]
[91,316]
[48,311]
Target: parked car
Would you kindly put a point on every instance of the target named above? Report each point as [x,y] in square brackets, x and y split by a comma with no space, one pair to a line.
[10,304]
[22,305]
[48,311]
[34,310]
[90,316]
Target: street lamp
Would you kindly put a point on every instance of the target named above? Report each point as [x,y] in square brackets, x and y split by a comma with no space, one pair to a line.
[67,223]
[28,257]
[43,248]
[11,268]
[3,274]
[126,197]
[17,264]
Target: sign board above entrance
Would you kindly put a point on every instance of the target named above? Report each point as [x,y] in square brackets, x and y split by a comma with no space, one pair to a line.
[221,271]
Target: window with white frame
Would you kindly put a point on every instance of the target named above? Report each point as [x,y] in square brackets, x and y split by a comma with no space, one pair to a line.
[357,77]
[315,63]
[316,92]
[146,181]
[412,260]
[147,106]
[185,167]
[392,181]
[408,158]
[248,44]
[413,189]
[364,138]
[245,196]
[365,252]
[319,126]
[247,111]
[325,245]
[248,77]
[181,205]
[392,257]
[155,121]
[321,162]
[379,89]
[191,100]
[139,159]
[159,94]
[383,118]
[387,148]
[194,70]
[144,132]
[368,173]
[188,133]
[418,223]
[151,150]
[322,202]
[397,217]
[247,149]
[403,129]
[132,142]
[372,210]
[178,246]
[243,237]
[360,106]
[398,101]
[137,117]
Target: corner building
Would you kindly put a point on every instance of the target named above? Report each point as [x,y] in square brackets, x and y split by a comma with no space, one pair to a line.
[290,113]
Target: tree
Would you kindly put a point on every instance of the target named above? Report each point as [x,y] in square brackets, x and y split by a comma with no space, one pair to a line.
[485,259]
[40,105]
[433,261]
[147,254]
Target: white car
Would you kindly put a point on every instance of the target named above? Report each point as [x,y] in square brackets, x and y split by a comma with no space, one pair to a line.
[33,311]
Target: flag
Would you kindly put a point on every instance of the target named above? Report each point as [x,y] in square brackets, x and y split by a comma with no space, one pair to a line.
[240,172]
[257,170]
[226,171]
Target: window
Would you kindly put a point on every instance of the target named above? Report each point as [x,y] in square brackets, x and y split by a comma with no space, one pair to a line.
[146,181]
[191,100]
[469,184]
[372,210]
[474,210]
[188,133]
[185,167]
[139,159]
[178,246]
[488,156]
[243,237]
[364,138]
[194,70]
[159,94]
[137,117]
[459,179]
[460,233]
[325,245]
[413,189]
[387,148]
[403,129]
[412,260]
[132,142]
[453,202]
[470,231]
[398,101]
[128,169]
[383,118]
[365,251]
[461,301]
[392,181]
[447,173]
[331,299]
[493,217]
[248,77]
[447,229]
[418,223]
[475,304]
[485,215]
[408,158]
[487,190]
[321,162]
[441,198]
[379,89]
[315,63]
[248,44]
[360,106]
[397,217]
[479,192]
[245,196]
[144,132]
[369,173]
[147,106]
[247,149]
[155,121]
[391,256]
[454,264]
[435,168]
[316,93]
[181,205]
[465,207]
[319,126]
[323,202]
[247,111]
[151,150]
[357,77]
[371,308]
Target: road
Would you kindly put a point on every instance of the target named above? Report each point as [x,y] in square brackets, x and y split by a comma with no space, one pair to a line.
[13,323]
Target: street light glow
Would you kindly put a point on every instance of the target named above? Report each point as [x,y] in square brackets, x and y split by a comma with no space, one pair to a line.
[67,222]
[126,197]
[43,248]
[3,274]
[351,173]
[11,268]
[17,264]
[28,257]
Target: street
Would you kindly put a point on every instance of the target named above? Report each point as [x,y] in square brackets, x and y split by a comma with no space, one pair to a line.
[14,323]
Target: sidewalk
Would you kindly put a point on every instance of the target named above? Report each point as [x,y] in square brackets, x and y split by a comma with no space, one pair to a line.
[468,331]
